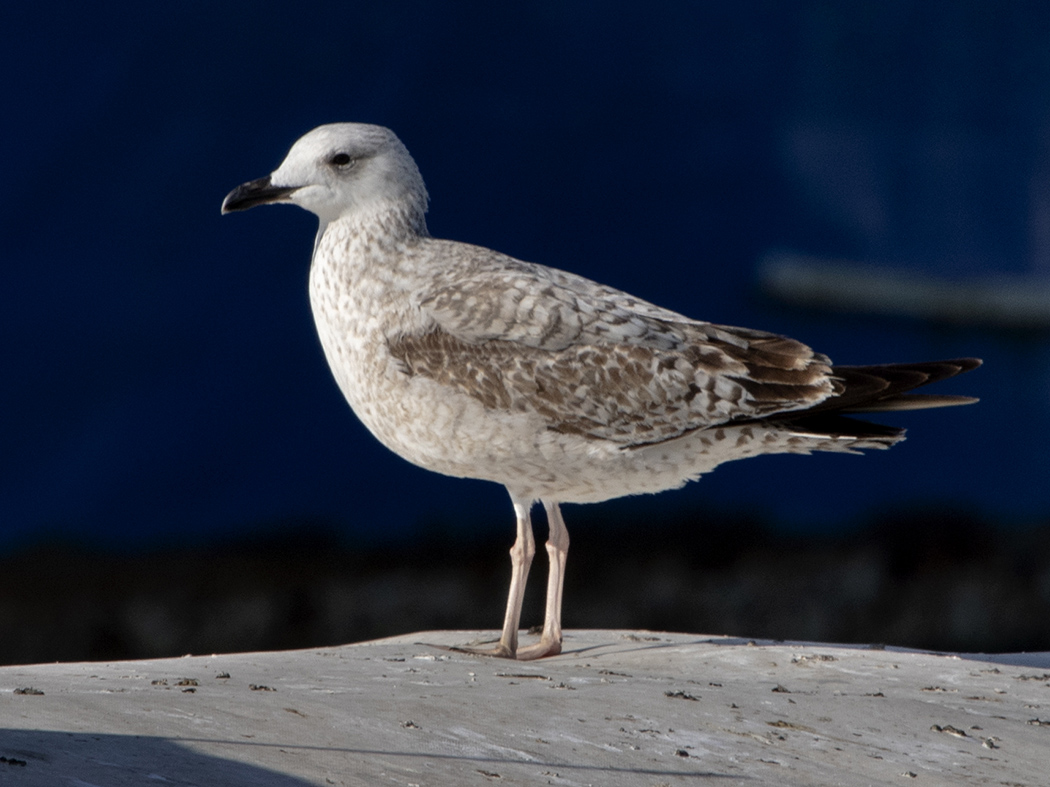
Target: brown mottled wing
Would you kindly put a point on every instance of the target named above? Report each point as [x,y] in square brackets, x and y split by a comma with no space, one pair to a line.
[597,362]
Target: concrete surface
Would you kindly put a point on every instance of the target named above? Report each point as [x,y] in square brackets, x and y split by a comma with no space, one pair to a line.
[617,708]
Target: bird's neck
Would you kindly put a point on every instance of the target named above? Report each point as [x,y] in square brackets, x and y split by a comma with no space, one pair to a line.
[378,228]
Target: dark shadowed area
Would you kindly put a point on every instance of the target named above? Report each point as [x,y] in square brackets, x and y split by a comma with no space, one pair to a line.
[178,471]
[925,579]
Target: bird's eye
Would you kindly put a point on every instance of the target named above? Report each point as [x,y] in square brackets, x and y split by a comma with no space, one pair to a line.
[340,159]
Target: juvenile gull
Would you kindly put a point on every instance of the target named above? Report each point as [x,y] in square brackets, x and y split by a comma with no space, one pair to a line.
[471,363]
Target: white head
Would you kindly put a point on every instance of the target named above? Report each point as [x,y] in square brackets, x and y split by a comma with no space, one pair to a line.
[342,170]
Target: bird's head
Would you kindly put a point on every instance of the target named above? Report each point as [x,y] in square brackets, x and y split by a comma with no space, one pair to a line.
[341,170]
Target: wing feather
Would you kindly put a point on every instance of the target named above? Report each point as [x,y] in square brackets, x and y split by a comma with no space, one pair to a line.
[597,362]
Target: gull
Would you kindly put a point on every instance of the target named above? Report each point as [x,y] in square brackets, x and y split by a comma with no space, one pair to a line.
[474,364]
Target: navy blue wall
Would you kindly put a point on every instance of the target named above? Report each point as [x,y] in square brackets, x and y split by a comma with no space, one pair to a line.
[160,375]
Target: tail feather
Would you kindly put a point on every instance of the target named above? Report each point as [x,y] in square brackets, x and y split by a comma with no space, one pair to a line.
[839,426]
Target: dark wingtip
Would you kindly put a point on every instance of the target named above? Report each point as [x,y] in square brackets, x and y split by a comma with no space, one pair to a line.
[887,387]
[912,402]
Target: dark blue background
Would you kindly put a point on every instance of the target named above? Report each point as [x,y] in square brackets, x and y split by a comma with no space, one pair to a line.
[161,377]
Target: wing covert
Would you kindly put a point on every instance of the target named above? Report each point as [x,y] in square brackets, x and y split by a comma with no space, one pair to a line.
[596,362]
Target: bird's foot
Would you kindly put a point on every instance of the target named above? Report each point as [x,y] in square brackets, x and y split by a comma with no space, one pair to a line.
[540,650]
[545,647]
[496,651]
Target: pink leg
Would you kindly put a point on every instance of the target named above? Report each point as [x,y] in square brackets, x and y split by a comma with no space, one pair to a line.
[557,552]
[520,559]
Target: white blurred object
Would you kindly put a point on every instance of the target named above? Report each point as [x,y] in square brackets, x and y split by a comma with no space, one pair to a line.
[842,285]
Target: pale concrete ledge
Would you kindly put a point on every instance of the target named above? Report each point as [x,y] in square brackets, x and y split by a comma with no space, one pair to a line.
[618,708]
